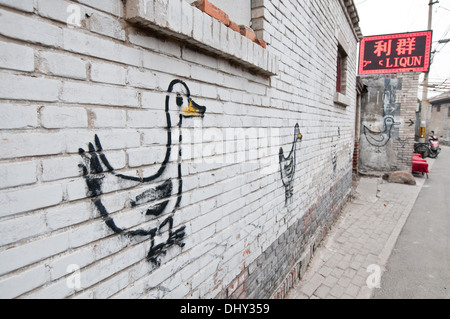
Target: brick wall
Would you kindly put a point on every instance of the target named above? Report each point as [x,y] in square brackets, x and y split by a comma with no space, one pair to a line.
[111,188]
[439,120]
[284,262]
[392,96]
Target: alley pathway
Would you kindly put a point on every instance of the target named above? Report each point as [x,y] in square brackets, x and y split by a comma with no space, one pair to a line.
[419,266]
[352,258]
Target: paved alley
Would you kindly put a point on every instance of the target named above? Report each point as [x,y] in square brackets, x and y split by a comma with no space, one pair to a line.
[420,262]
[352,258]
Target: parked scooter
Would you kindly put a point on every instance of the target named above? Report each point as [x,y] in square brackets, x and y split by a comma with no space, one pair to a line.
[434,145]
[430,149]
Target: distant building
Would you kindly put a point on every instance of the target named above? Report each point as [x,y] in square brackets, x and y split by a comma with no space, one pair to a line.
[440,117]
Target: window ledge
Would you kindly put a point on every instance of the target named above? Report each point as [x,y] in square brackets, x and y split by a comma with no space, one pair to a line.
[341,99]
[177,18]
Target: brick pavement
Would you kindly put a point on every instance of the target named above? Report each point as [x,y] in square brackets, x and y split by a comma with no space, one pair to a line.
[351,259]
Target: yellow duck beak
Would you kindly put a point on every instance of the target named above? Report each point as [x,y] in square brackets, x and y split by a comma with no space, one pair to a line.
[193,110]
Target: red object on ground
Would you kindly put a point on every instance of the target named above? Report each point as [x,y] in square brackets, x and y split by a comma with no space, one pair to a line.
[419,164]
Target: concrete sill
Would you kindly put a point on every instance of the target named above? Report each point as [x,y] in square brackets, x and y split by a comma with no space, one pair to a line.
[178,19]
[341,99]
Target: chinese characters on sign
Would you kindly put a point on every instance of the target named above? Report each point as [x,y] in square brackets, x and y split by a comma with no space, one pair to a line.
[394,53]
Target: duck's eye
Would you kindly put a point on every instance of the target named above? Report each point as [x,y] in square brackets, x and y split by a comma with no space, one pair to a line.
[179,100]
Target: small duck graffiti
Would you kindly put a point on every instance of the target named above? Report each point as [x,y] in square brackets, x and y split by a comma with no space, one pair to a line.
[287,165]
[154,199]
[334,151]
[380,139]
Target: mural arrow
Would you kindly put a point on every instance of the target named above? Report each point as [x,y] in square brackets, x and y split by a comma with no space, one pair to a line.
[411,122]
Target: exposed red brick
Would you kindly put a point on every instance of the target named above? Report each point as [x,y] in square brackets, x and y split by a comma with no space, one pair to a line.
[242,277]
[232,288]
[261,43]
[247,32]
[234,26]
[210,9]
[238,292]
[243,295]
[216,13]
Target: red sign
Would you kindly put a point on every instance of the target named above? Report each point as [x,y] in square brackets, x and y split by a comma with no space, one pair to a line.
[395,53]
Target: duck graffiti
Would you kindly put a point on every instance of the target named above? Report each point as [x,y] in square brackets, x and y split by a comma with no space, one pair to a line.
[334,157]
[381,138]
[157,200]
[287,165]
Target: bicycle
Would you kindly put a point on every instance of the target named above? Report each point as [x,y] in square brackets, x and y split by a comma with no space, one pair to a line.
[422,148]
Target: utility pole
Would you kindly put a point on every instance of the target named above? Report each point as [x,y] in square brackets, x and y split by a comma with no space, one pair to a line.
[425,105]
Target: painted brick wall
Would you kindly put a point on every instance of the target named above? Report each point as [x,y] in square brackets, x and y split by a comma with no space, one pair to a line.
[111,188]
[395,97]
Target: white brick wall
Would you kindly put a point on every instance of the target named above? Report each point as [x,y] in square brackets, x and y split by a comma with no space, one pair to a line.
[31,29]
[16,174]
[63,65]
[60,85]
[25,5]
[63,117]
[20,87]
[16,116]
[30,198]
[16,57]
[24,144]
[90,93]
[108,73]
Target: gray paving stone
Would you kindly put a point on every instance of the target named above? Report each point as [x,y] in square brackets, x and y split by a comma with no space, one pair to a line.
[362,236]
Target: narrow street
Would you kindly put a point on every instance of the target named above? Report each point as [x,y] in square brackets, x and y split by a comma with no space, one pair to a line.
[419,264]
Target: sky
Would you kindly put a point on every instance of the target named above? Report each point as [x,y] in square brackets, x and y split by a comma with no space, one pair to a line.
[378,17]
